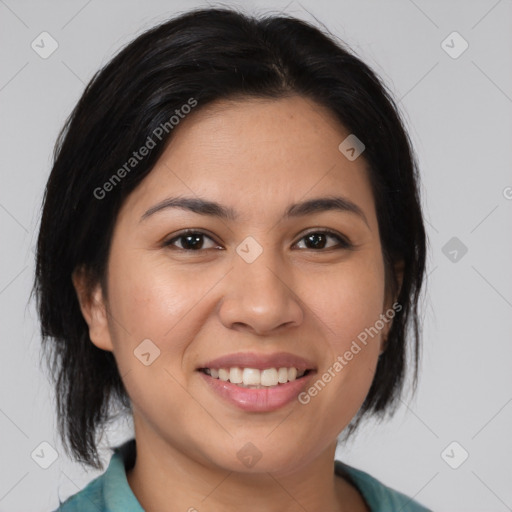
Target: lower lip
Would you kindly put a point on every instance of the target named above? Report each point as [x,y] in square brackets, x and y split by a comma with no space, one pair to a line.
[257,400]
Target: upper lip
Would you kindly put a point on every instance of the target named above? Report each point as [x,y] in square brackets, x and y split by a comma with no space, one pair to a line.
[260,361]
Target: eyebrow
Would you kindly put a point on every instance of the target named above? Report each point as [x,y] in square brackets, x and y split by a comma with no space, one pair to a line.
[214,209]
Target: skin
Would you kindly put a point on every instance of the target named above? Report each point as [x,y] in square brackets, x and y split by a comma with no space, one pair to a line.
[257,157]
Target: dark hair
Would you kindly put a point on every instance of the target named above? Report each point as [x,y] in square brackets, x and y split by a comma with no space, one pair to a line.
[206,55]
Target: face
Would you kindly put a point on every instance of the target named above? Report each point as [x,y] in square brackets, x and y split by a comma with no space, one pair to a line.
[267,290]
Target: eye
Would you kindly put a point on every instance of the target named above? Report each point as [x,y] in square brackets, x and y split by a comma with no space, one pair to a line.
[191,241]
[318,240]
[194,241]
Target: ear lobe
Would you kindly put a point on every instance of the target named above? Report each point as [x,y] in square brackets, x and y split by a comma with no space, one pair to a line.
[94,309]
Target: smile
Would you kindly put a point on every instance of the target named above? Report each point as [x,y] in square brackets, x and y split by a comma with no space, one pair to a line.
[256,382]
[254,378]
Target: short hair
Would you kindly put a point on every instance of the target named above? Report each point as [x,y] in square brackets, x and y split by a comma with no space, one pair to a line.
[207,55]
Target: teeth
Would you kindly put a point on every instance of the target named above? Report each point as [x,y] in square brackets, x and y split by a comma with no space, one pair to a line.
[251,377]
[282,375]
[235,375]
[269,377]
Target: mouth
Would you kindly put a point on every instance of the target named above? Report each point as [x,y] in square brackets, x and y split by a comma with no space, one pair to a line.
[257,382]
[253,378]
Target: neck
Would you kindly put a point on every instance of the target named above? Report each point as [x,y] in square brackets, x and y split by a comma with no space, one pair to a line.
[163,478]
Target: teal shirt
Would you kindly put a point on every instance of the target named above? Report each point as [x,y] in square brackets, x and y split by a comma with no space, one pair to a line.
[110,491]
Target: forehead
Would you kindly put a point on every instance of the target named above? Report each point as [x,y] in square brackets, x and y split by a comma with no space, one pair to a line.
[265,130]
[252,153]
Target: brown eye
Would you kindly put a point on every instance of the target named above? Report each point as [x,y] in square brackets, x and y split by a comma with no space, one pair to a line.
[195,241]
[191,241]
[318,240]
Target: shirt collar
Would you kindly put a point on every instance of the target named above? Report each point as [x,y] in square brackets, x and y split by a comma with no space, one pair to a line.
[117,492]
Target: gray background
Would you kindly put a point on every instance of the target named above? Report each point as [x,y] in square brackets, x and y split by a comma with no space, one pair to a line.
[458,111]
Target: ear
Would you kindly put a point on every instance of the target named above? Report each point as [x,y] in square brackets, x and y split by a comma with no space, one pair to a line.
[94,309]
[391,306]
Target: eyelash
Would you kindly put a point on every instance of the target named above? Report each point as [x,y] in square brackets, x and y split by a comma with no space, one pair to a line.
[343,242]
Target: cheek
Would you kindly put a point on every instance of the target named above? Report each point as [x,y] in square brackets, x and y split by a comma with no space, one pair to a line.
[151,299]
[349,300]
[348,303]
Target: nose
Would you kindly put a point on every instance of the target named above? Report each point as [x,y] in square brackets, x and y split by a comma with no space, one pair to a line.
[258,298]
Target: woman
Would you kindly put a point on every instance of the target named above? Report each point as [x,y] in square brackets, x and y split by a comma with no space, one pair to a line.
[232,249]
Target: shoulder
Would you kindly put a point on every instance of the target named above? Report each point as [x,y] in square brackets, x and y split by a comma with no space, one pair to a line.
[90,498]
[108,492]
[379,497]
